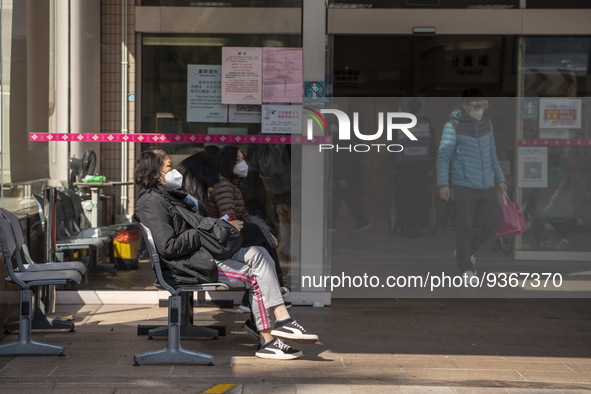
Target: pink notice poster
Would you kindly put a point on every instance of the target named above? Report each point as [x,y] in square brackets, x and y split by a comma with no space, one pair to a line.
[241,75]
[283,77]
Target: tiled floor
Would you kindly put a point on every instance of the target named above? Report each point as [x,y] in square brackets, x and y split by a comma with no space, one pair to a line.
[367,346]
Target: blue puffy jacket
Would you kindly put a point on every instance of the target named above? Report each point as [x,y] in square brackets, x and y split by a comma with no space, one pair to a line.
[469,145]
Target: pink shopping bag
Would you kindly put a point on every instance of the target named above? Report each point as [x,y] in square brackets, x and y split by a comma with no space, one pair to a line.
[512,220]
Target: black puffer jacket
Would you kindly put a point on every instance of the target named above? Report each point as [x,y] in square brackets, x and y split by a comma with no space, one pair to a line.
[183,259]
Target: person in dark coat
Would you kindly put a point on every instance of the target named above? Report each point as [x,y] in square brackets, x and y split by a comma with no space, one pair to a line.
[161,207]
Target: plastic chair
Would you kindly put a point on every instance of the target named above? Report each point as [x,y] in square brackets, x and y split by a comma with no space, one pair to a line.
[177,306]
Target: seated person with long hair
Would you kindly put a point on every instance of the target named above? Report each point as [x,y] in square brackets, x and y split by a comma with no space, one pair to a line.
[185,261]
[202,180]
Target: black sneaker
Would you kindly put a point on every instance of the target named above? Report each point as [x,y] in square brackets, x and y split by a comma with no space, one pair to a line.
[278,350]
[251,329]
[246,308]
[292,331]
[284,291]
[361,228]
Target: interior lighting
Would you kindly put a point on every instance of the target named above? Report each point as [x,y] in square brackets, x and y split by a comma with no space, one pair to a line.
[423,30]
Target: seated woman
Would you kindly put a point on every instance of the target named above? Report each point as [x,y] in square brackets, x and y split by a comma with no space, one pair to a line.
[185,261]
[201,177]
[225,198]
[218,197]
[200,174]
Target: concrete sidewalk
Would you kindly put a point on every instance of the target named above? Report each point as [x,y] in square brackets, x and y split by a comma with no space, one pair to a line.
[367,346]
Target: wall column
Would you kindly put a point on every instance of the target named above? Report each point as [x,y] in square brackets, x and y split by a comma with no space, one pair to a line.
[76,81]
[313,163]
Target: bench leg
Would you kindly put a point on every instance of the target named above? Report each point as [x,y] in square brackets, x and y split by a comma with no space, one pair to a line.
[173,353]
[186,323]
[25,345]
[186,331]
[40,319]
[42,322]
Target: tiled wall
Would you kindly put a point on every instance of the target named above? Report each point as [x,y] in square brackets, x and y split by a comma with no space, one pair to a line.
[111,93]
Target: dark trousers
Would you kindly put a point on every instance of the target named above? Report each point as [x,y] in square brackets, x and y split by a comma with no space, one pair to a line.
[347,194]
[412,193]
[471,204]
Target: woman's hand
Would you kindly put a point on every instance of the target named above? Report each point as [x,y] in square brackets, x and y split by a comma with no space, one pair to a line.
[275,242]
[237,223]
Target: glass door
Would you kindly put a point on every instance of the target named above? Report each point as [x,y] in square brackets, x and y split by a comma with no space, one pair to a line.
[553,147]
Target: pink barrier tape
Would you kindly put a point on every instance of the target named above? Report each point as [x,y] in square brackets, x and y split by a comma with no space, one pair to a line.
[179,138]
[553,142]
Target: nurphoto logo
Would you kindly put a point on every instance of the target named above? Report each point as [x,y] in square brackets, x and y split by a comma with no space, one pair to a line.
[391,120]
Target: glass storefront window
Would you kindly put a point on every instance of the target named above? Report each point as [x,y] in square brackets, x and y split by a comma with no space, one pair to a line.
[165,61]
[555,83]
[486,4]
[558,4]
[223,3]
[24,167]
[164,77]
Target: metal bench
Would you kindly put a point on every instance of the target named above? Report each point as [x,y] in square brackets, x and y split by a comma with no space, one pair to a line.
[179,316]
[25,263]
[28,281]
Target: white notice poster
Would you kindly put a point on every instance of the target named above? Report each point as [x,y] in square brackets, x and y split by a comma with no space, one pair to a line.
[283,76]
[241,75]
[532,167]
[204,94]
[282,119]
[244,113]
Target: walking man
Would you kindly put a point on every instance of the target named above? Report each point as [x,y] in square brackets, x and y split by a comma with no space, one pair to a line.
[468,147]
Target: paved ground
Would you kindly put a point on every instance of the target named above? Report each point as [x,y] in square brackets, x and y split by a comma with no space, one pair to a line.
[368,346]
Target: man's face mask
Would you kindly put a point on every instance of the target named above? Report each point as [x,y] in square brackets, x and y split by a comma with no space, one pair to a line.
[476,108]
[173,179]
[476,114]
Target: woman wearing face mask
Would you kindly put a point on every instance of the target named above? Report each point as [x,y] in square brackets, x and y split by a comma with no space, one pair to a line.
[162,207]
[225,198]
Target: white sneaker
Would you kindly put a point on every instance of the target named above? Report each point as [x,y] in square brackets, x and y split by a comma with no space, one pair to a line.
[468,274]
[292,331]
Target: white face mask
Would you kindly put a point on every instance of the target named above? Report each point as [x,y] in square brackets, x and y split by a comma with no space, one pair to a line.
[241,169]
[476,114]
[173,179]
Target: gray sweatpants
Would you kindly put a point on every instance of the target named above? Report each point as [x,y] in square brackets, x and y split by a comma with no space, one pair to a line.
[254,269]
